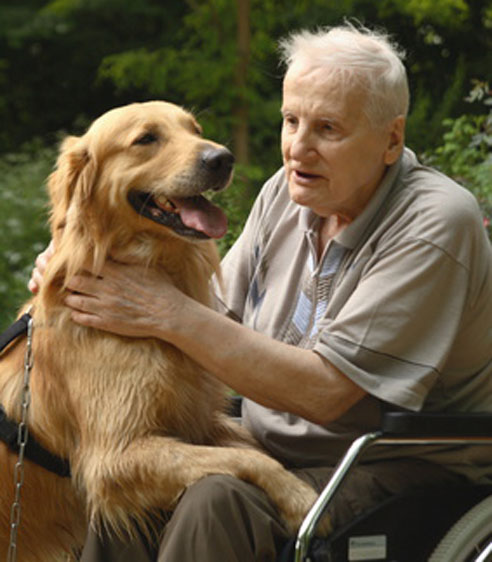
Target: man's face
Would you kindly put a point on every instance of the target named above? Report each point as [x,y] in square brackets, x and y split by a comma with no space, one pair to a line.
[334,158]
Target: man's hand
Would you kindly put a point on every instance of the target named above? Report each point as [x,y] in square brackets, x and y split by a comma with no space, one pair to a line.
[125,299]
[40,265]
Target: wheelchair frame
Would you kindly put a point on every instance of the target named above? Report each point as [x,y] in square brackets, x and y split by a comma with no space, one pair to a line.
[398,428]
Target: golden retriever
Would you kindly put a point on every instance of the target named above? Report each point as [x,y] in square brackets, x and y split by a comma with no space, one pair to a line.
[138,420]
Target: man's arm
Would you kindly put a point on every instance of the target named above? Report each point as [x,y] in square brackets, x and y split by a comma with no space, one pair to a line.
[134,302]
[272,373]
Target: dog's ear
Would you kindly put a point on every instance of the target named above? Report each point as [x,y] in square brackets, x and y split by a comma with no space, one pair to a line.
[73,179]
[71,188]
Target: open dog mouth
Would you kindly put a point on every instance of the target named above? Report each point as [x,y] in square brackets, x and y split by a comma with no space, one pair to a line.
[195,217]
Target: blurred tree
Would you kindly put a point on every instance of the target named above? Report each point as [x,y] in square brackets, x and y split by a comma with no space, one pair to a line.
[66,58]
[50,55]
[63,62]
[450,43]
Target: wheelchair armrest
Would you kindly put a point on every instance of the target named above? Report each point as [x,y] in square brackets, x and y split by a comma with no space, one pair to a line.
[416,424]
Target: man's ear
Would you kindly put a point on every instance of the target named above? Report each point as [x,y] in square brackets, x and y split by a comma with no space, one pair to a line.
[74,176]
[396,140]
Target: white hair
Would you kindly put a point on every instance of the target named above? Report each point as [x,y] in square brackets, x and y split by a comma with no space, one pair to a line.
[361,56]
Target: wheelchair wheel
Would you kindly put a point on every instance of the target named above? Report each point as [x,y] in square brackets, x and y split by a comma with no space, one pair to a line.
[470,538]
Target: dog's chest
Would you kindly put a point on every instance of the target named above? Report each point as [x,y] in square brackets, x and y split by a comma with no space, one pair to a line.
[133,387]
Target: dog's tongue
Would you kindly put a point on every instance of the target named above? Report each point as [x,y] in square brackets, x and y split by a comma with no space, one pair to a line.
[202,215]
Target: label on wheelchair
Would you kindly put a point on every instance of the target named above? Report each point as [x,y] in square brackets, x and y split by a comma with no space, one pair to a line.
[371,547]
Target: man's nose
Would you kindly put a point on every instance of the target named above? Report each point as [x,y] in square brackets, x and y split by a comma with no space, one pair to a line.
[302,143]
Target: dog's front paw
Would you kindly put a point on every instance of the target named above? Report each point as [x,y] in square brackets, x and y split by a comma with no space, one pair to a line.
[294,498]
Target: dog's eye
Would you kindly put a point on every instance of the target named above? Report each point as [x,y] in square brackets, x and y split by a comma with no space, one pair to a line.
[147,138]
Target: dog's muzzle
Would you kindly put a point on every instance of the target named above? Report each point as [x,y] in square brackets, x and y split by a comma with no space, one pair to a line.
[193,216]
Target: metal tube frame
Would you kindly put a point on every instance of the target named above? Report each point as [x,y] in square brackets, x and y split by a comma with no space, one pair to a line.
[351,457]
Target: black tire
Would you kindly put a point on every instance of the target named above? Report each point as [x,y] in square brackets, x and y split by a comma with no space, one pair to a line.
[469,537]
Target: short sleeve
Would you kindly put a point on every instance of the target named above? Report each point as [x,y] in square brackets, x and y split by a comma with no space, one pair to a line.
[394,333]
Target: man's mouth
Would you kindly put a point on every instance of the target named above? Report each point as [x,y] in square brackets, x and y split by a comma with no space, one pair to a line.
[305,175]
[194,217]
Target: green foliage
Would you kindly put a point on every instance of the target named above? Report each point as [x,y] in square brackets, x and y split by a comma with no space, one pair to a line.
[23,217]
[197,69]
[443,12]
[466,152]
[236,202]
[425,122]
[86,56]
[64,62]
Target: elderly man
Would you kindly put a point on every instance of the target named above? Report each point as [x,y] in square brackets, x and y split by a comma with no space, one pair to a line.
[362,283]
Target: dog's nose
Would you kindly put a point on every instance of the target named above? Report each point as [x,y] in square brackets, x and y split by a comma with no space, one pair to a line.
[218,160]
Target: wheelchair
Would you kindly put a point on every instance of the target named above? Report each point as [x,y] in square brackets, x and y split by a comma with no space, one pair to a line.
[427,525]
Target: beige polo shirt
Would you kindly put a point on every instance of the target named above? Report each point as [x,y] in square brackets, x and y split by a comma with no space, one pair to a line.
[400,301]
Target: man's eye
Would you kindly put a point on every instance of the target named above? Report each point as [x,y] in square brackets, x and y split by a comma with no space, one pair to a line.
[147,138]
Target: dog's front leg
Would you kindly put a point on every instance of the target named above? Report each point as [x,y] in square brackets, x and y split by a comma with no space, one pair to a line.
[153,472]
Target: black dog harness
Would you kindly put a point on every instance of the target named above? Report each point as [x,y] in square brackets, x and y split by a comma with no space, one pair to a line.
[9,429]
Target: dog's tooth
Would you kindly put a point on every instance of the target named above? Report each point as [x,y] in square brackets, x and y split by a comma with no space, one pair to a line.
[165,204]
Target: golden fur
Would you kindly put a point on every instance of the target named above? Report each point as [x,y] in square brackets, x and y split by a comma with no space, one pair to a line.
[137,419]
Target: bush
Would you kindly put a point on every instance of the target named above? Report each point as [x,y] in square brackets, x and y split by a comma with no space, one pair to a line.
[466,153]
[237,200]
[23,217]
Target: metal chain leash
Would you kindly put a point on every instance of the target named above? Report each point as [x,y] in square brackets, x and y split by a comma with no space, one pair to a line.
[22,437]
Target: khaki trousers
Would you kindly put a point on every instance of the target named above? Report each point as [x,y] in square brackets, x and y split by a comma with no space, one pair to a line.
[223,519]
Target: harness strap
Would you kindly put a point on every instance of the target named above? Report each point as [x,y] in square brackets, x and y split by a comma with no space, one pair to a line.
[18,328]
[33,451]
[9,429]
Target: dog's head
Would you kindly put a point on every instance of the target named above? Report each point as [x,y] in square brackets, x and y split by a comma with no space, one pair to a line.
[145,164]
